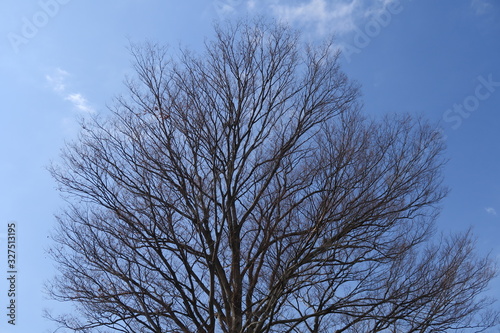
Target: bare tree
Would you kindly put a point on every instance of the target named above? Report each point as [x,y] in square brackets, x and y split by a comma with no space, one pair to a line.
[243,191]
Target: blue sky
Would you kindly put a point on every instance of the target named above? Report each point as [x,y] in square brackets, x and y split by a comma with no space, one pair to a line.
[65,59]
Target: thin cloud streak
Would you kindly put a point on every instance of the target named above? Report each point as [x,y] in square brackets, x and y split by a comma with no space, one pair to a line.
[481,7]
[339,18]
[491,211]
[57,81]
[80,103]
[319,13]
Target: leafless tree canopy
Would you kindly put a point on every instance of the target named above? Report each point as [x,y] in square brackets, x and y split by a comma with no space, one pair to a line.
[243,191]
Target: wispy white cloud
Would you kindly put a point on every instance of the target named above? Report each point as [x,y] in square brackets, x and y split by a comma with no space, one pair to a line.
[377,7]
[80,103]
[325,17]
[491,210]
[339,17]
[225,8]
[481,7]
[251,4]
[57,81]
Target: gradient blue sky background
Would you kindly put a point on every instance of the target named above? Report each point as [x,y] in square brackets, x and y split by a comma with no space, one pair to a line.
[64,59]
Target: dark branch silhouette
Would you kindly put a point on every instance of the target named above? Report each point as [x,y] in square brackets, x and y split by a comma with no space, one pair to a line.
[243,191]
